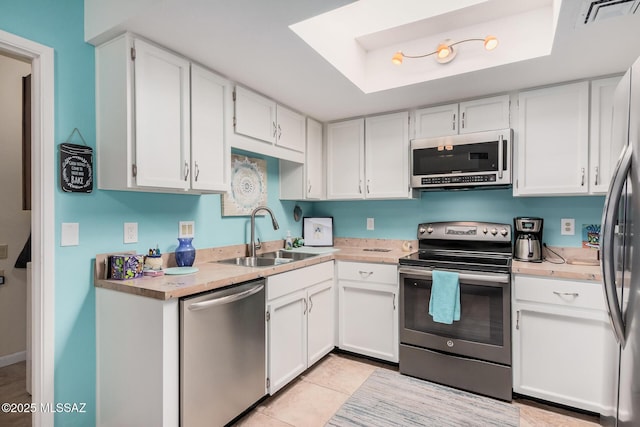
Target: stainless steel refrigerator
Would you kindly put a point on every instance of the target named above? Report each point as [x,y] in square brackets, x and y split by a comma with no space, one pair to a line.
[619,241]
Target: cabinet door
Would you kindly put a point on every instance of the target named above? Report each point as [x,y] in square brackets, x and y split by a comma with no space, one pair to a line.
[552,141]
[320,321]
[484,114]
[314,170]
[603,150]
[345,160]
[287,338]
[437,121]
[562,356]
[162,118]
[387,156]
[368,319]
[291,129]
[255,115]
[209,150]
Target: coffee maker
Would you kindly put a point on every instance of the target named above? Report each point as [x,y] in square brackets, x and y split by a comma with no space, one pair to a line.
[527,245]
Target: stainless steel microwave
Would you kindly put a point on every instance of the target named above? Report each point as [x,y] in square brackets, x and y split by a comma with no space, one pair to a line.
[462,161]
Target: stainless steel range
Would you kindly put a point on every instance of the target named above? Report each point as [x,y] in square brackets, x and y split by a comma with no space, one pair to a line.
[473,353]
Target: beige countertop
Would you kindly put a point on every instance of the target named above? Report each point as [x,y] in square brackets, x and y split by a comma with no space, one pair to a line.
[213,275]
[565,271]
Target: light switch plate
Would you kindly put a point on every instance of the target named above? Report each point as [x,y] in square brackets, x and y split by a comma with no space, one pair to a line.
[131,232]
[568,226]
[187,229]
[70,234]
[370,224]
[4,251]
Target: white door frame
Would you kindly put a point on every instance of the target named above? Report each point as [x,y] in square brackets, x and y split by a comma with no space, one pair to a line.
[42,217]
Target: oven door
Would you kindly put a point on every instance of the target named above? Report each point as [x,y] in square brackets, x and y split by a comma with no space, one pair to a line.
[484,329]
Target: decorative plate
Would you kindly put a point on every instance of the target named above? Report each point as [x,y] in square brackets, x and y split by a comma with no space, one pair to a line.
[180,270]
[248,186]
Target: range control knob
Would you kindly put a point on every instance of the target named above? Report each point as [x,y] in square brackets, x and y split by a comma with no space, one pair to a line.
[421,230]
[494,231]
[429,229]
[485,230]
[504,232]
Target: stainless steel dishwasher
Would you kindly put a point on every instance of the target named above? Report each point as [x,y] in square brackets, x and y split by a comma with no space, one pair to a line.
[222,354]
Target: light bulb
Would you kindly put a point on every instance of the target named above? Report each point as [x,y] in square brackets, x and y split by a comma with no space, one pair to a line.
[397,58]
[443,51]
[490,42]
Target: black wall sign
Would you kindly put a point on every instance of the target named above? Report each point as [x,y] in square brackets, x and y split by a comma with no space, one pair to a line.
[76,168]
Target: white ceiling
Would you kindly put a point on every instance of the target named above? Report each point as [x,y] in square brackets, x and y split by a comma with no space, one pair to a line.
[250,42]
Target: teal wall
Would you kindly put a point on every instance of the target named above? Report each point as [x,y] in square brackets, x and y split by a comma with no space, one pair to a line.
[101,214]
[399,219]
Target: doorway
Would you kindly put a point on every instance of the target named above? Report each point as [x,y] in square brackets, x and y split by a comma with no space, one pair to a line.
[42,221]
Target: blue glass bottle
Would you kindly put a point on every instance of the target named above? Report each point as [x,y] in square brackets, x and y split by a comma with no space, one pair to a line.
[185,252]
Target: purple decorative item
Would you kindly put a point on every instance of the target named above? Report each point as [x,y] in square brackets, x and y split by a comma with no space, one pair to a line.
[185,252]
[125,266]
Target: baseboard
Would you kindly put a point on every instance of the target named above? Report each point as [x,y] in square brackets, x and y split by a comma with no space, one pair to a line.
[10,359]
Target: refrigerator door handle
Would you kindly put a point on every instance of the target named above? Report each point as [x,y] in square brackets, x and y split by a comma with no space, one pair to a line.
[609,216]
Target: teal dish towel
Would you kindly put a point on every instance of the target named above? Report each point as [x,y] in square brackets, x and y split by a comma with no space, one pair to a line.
[444,304]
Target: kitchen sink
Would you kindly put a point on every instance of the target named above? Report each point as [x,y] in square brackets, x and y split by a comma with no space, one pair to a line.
[268,259]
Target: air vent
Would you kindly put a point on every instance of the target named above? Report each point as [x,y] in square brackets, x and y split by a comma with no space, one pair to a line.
[597,10]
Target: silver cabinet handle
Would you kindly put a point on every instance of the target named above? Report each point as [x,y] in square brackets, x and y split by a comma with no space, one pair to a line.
[309,189]
[365,274]
[279,132]
[186,171]
[582,179]
[197,170]
[518,319]
[310,304]
[607,238]
[360,186]
[394,302]
[368,183]
[306,306]
[453,122]
[597,175]
[567,294]
[275,129]
[500,156]
[226,299]
[462,121]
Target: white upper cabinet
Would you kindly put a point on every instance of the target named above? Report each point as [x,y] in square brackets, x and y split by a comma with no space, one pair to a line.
[153,134]
[387,156]
[552,141]
[210,156]
[161,98]
[305,181]
[603,150]
[470,116]
[345,159]
[264,120]
[369,158]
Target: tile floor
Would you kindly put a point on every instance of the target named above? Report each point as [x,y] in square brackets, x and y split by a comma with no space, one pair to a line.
[313,398]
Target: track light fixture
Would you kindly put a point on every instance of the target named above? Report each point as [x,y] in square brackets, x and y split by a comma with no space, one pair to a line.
[445,52]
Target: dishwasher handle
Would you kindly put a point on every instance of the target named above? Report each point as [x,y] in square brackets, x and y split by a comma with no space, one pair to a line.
[226,299]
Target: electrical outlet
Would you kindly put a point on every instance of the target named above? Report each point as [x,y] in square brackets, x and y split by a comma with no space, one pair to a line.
[567,226]
[131,232]
[187,229]
[370,224]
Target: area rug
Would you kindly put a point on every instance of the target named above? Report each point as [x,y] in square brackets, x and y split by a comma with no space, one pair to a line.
[388,398]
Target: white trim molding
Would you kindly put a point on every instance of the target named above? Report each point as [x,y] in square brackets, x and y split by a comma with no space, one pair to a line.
[42,217]
[10,359]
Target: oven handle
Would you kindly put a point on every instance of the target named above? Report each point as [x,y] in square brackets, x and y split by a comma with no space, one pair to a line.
[480,277]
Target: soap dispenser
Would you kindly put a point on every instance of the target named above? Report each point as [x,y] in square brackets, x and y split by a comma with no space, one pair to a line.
[288,243]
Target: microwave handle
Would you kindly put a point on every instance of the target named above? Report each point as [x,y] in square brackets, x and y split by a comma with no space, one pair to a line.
[500,156]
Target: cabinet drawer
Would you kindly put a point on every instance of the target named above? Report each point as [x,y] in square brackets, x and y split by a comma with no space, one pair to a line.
[573,293]
[367,272]
[291,281]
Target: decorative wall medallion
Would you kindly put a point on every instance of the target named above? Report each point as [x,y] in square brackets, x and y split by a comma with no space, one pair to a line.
[248,186]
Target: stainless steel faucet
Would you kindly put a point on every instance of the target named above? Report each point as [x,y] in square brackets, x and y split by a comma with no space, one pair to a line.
[253,246]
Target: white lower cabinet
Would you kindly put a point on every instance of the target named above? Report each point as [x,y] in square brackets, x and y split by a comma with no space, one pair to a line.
[368,309]
[300,321]
[563,346]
